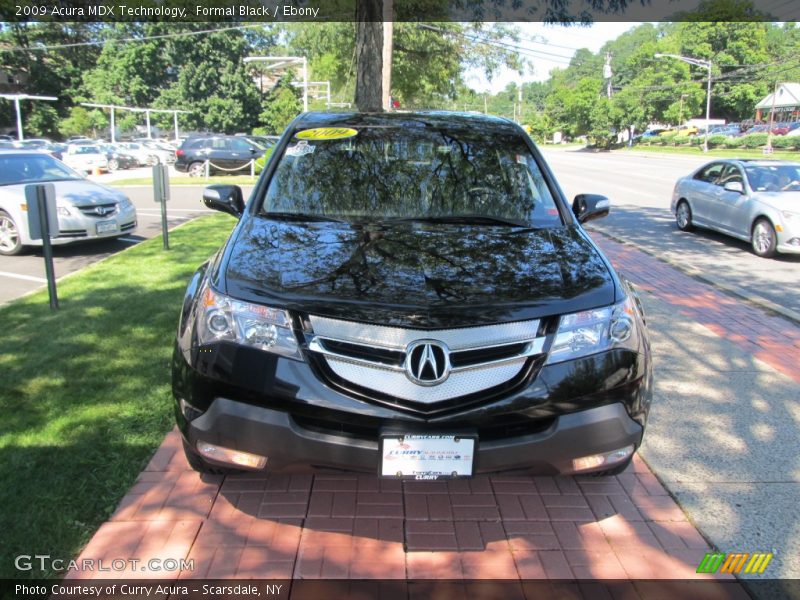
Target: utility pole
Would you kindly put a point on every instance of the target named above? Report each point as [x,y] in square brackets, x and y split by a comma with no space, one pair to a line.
[607,73]
[768,149]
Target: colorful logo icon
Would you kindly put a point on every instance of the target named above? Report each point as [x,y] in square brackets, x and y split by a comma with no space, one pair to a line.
[735,562]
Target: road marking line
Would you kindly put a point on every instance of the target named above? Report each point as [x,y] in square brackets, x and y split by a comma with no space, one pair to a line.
[153,216]
[25,277]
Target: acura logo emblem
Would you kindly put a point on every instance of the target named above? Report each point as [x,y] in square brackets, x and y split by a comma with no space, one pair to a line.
[427,362]
[101,210]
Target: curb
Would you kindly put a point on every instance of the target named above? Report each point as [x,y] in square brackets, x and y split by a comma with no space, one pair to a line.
[782,311]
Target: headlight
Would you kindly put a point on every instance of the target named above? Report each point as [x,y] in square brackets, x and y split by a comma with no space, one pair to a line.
[224,319]
[124,203]
[592,331]
[63,211]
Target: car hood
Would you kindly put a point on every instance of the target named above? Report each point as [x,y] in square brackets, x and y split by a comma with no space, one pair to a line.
[79,192]
[416,275]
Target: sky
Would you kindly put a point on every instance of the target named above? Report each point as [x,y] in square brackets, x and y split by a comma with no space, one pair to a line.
[545,41]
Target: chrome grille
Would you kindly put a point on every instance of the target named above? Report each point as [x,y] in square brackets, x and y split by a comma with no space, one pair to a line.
[99,210]
[376,357]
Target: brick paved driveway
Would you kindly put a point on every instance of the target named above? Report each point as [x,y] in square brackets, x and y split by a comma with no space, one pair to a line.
[357,526]
[326,525]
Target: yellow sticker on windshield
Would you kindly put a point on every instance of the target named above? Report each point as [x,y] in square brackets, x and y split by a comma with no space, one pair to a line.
[326,133]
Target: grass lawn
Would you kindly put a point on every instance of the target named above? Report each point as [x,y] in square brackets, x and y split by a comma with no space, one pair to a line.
[186,180]
[86,395]
[715,152]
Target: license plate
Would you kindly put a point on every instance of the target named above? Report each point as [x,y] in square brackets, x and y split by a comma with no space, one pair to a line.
[427,457]
[107,226]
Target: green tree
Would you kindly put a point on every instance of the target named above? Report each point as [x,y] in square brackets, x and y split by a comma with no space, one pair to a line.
[281,105]
[82,122]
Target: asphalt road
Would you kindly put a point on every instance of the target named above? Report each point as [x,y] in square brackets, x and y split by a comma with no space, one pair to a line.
[640,188]
[25,273]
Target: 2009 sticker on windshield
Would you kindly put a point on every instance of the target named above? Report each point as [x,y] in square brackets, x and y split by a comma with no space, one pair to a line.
[326,133]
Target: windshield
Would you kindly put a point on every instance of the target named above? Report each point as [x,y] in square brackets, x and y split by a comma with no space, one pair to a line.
[380,173]
[86,150]
[774,178]
[35,168]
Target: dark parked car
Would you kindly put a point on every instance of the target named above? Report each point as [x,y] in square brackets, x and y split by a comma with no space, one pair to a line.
[224,153]
[118,158]
[410,295]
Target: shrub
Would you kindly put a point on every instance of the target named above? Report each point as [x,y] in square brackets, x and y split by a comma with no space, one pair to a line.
[667,138]
[784,143]
[733,142]
[754,140]
[714,141]
[681,140]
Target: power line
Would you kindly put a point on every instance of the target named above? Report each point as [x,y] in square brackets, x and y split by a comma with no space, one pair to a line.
[126,40]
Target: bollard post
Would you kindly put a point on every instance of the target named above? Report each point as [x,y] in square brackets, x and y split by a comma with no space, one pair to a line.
[161,195]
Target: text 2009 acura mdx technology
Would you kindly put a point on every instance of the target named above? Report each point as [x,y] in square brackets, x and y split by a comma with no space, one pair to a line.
[410,295]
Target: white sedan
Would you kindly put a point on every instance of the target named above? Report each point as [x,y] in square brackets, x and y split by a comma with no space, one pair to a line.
[86,158]
[753,200]
[86,210]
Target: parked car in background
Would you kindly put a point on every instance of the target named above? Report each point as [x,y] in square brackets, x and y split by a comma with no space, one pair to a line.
[265,141]
[784,128]
[410,294]
[86,210]
[119,158]
[143,155]
[163,152]
[86,157]
[753,200]
[224,153]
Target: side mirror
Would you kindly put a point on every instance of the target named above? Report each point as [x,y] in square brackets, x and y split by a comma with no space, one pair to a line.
[224,198]
[586,207]
[734,186]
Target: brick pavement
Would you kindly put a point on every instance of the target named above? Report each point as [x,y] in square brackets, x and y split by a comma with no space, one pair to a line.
[768,337]
[360,527]
[494,527]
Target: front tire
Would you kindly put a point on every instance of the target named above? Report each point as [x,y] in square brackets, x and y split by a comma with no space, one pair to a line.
[683,216]
[197,169]
[10,243]
[113,165]
[764,239]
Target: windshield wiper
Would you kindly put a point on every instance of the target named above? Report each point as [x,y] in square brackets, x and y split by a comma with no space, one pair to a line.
[463,219]
[291,216]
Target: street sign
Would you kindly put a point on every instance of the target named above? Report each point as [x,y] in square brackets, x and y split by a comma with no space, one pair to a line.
[35,213]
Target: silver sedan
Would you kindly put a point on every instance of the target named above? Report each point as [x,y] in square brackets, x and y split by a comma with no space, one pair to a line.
[86,210]
[753,200]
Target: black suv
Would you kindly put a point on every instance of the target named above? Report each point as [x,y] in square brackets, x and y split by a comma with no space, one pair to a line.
[224,153]
[410,295]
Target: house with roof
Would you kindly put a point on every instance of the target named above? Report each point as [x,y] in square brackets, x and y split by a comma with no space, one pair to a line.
[785,100]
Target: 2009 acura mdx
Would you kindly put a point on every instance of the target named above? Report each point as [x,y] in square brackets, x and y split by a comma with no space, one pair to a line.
[410,295]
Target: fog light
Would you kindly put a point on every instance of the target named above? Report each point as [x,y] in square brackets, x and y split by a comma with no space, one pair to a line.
[234,457]
[601,460]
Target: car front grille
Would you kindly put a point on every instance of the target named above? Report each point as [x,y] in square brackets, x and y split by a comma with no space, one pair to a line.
[380,362]
[99,211]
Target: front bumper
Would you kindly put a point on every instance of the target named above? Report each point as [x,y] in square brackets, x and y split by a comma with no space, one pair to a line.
[276,435]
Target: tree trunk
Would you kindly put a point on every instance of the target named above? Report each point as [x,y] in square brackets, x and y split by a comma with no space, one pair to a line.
[369,49]
[388,33]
